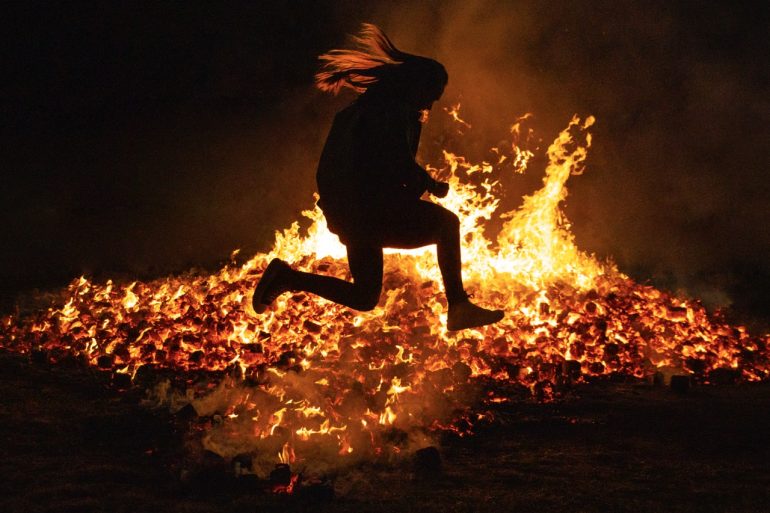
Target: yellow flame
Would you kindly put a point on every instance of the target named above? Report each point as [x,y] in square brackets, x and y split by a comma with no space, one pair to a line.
[286,455]
[324,374]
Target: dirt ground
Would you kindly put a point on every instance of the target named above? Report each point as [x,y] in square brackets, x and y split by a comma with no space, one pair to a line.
[72,443]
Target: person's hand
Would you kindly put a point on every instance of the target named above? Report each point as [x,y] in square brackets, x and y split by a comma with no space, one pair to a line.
[439,189]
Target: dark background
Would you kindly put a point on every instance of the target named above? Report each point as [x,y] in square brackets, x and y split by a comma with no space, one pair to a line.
[140,139]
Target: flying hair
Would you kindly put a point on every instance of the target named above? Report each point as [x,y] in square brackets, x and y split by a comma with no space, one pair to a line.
[374,54]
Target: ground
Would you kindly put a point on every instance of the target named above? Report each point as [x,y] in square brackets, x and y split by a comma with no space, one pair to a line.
[71,442]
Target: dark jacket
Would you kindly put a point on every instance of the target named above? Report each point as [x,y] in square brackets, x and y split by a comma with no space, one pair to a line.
[367,167]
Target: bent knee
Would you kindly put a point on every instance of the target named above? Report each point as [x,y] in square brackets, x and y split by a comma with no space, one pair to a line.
[454,220]
[450,221]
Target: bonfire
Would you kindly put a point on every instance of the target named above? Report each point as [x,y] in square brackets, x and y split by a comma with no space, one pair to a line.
[318,386]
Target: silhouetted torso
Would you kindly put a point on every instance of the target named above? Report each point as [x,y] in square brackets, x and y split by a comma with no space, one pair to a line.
[367,167]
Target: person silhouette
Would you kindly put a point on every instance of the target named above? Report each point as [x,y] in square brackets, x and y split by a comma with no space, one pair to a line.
[370,185]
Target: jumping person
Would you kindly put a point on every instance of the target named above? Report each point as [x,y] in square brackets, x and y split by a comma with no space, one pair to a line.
[370,185]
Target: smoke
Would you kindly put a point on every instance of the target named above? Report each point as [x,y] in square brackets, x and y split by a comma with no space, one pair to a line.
[675,187]
[147,141]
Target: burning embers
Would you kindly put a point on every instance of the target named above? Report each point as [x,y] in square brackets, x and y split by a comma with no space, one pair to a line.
[312,385]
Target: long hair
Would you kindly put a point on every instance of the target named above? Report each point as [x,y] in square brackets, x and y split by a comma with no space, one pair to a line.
[374,59]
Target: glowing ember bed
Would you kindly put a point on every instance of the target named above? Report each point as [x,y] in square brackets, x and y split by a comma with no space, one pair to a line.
[321,386]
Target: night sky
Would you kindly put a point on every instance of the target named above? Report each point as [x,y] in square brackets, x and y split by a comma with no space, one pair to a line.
[140,139]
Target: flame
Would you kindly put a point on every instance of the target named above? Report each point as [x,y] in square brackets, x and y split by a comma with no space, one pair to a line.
[522,139]
[286,456]
[313,381]
[287,489]
[454,113]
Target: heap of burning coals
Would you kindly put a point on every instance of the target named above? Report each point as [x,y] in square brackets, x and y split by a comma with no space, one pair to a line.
[316,385]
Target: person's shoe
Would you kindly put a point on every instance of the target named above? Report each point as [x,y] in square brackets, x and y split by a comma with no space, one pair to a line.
[465,315]
[270,285]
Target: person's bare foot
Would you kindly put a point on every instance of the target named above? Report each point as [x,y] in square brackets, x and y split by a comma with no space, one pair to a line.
[464,314]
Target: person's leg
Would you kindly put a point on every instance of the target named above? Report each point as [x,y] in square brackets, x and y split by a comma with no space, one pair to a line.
[421,224]
[363,293]
[409,225]
[449,258]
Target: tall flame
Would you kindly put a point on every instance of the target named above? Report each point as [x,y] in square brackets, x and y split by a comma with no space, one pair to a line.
[314,382]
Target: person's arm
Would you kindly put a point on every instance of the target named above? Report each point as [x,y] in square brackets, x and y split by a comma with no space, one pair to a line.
[395,145]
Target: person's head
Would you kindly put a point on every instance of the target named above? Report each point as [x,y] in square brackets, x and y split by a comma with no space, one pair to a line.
[378,68]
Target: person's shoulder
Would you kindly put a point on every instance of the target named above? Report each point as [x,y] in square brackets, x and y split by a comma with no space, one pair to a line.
[391,111]
[347,113]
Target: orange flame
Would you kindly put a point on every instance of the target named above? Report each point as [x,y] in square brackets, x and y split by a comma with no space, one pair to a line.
[454,113]
[314,381]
